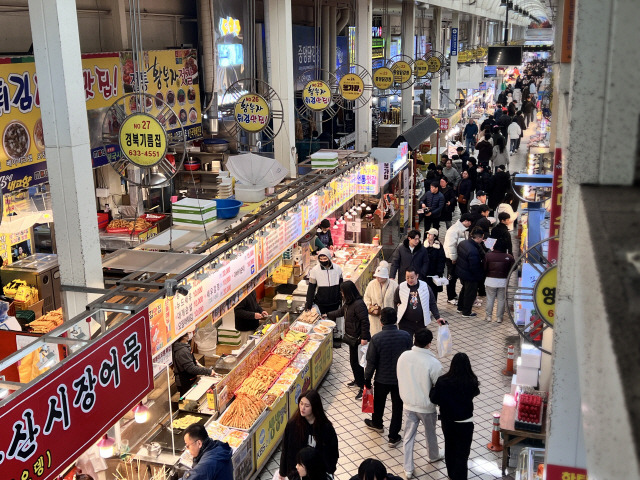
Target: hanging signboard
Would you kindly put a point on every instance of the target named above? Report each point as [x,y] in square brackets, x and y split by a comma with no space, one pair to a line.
[454,42]
[420,68]
[351,87]
[79,402]
[143,139]
[317,95]
[401,72]
[544,294]
[433,64]
[383,78]
[252,113]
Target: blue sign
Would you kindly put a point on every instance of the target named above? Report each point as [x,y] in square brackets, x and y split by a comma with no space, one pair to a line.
[454,42]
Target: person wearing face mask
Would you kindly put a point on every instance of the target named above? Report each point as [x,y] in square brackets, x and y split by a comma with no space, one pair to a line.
[324,233]
[324,284]
[185,367]
[378,295]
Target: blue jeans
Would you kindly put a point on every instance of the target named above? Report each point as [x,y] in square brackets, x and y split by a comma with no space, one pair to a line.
[411,422]
[470,142]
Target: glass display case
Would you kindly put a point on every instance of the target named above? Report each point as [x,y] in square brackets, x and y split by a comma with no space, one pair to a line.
[530,464]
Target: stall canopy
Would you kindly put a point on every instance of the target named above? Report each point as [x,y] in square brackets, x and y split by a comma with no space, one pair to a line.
[417,134]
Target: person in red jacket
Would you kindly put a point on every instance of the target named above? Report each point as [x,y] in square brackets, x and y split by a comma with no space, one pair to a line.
[497,264]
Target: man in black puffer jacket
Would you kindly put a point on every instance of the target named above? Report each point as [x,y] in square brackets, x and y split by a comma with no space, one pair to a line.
[470,271]
[384,350]
[410,253]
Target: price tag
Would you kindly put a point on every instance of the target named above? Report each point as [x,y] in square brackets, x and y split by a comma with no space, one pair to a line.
[316,95]
[143,140]
[383,78]
[351,87]
[401,72]
[252,112]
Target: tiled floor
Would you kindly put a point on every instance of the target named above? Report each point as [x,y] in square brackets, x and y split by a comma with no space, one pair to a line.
[486,346]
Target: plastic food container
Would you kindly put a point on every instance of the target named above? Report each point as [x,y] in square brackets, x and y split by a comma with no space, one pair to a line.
[250,193]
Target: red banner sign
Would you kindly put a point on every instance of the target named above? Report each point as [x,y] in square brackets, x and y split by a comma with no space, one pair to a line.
[556,205]
[47,426]
[444,124]
[558,472]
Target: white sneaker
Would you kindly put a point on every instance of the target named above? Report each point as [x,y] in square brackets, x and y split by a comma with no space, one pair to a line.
[440,457]
[489,319]
[453,301]
[408,475]
[477,303]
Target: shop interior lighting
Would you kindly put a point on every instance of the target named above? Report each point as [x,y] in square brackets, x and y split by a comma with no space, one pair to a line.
[4,392]
[335,225]
[363,204]
[368,209]
[47,357]
[107,446]
[141,413]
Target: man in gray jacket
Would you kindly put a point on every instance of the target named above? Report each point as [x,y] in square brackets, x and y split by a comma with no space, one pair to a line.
[418,370]
[384,350]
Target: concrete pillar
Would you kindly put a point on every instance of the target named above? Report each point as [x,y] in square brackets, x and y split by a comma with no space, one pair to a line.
[56,47]
[325,35]
[409,49]
[280,73]
[437,42]
[333,38]
[120,25]
[364,20]
[453,73]
[473,32]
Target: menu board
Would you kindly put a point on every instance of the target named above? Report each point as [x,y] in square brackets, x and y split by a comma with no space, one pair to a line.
[367,179]
[243,267]
[313,212]
[182,312]
[271,246]
[294,228]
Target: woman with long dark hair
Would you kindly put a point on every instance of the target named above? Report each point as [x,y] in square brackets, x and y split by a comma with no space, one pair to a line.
[356,328]
[500,154]
[454,393]
[309,427]
[310,465]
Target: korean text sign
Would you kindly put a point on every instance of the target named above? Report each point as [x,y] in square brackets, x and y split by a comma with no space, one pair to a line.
[47,426]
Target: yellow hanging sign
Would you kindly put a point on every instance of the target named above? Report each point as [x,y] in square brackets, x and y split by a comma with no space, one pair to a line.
[420,68]
[544,294]
[383,78]
[401,72]
[143,140]
[252,112]
[433,64]
[351,87]
[316,95]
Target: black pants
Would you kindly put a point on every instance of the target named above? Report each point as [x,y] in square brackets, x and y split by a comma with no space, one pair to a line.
[467,296]
[452,277]
[457,446]
[358,371]
[431,221]
[380,392]
[463,207]
[434,287]
[482,291]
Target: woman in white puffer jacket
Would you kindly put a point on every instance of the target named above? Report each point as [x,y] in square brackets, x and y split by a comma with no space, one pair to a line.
[379,292]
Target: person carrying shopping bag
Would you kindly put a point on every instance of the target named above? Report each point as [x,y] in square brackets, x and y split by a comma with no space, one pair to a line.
[378,295]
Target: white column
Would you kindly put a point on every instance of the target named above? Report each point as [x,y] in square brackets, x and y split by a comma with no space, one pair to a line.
[409,49]
[363,58]
[56,46]
[324,33]
[437,45]
[453,73]
[473,36]
[333,40]
[280,69]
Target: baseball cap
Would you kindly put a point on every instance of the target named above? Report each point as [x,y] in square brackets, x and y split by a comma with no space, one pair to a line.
[433,231]
[480,193]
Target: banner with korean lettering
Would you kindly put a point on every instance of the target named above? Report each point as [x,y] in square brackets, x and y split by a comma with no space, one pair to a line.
[20,123]
[48,425]
[171,76]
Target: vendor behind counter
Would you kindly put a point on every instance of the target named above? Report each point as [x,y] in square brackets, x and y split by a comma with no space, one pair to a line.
[248,316]
[185,367]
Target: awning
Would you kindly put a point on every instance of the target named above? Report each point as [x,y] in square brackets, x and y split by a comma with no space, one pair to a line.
[417,134]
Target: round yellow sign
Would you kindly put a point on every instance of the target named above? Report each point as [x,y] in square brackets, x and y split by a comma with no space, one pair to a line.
[252,112]
[433,64]
[401,72]
[544,294]
[351,87]
[420,68]
[383,78]
[143,140]
[316,95]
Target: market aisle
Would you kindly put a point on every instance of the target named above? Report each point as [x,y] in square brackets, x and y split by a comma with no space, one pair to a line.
[486,346]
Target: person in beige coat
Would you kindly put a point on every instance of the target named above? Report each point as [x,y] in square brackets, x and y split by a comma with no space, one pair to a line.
[379,292]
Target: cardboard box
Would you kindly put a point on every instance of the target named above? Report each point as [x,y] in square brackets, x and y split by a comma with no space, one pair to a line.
[527,376]
[530,356]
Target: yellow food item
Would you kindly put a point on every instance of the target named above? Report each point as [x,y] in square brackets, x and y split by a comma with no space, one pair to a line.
[243,412]
[47,322]
[276,362]
[184,422]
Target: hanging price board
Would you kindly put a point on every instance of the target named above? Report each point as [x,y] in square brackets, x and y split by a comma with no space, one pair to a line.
[433,64]
[420,68]
[316,95]
[383,78]
[351,87]
[401,72]
[143,140]
[544,294]
[252,113]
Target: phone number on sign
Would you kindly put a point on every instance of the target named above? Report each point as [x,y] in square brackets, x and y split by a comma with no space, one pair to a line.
[140,153]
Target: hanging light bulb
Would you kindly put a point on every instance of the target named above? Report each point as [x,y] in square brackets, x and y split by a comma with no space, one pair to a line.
[363,204]
[368,209]
[47,357]
[141,413]
[335,225]
[107,446]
